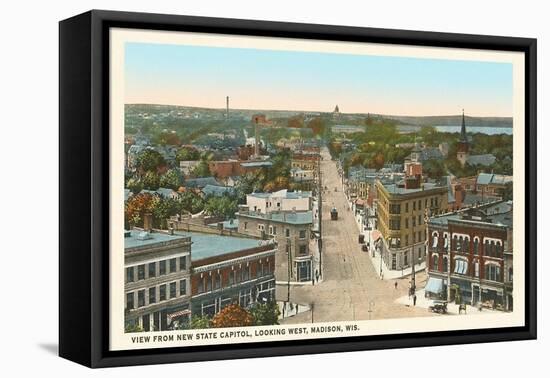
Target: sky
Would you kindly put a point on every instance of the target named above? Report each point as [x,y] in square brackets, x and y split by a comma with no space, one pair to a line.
[203,76]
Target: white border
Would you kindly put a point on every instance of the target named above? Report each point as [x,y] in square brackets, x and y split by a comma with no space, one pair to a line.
[118,340]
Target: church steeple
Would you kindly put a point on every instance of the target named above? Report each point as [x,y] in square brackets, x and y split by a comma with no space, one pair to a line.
[463,147]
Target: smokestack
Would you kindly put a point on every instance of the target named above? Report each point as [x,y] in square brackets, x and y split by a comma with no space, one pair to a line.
[256,140]
[227,107]
[148,222]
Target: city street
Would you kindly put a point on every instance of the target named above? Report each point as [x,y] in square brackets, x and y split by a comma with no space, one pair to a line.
[351,289]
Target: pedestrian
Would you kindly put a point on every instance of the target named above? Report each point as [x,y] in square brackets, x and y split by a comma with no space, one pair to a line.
[395,285]
[414,300]
[317,275]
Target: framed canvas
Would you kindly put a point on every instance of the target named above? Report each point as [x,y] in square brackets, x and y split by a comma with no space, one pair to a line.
[236,188]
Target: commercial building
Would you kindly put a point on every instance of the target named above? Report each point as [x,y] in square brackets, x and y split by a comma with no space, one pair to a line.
[228,269]
[473,250]
[292,230]
[157,272]
[402,209]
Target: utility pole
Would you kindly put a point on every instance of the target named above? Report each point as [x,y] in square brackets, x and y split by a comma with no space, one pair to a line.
[288,248]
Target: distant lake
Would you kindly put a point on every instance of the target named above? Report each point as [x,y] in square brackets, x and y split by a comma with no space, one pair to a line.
[456,129]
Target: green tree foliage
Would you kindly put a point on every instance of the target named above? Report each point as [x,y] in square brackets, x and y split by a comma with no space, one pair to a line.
[317,126]
[149,160]
[151,180]
[201,170]
[265,313]
[191,202]
[187,154]
[167,138]
[200,322]
[134,184]
[171,179]
[163,208]
[133,328]
[223,206]
[434,168]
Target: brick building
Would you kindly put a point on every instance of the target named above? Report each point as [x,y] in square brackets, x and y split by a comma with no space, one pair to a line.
[228,269]
[472,249]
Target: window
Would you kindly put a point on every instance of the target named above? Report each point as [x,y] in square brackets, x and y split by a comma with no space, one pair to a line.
[435,262]
[414,205]
[245,225]
[419,219]
[183,287]
[414,237]
[287,232]
[183,263]
[406,239]
[461,266]
[445,264]
[152,295]
[209,283]
[476,246]
[406,222]
[141,298]
[395,208]
[510,274]
[172,290]
[303,249]
[141,272]
[130,301]
[152,269]
[231,277]
[162,267]
[302,234]
[476,268]
[217,281]
[130,274]
[261,227]
[419,206]
[407,207]
[413,221]
[492,272]
[162,292]
[395,224]
[173,265]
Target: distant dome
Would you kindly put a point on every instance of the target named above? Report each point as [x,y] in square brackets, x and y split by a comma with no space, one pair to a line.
[336,109]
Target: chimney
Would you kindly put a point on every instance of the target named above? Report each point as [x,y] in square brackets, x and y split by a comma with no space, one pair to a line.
[148,222]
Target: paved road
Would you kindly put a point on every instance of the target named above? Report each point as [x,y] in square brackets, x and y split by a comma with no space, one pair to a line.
[350,283]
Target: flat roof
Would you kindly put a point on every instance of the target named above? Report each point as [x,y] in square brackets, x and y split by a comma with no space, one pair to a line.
[134,241]
[209,245]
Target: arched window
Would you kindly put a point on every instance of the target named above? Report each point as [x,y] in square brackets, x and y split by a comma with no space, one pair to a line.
[459,244]
[445,264]
[466,247]
[510,274]
[492,248]
[486,251]
[476,246]
[454,246]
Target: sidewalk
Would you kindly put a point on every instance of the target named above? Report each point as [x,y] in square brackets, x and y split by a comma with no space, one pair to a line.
[452,308]
[388,274]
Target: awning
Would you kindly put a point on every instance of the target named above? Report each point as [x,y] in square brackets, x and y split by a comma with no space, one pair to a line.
[178,313]
[434,285]
[434,245]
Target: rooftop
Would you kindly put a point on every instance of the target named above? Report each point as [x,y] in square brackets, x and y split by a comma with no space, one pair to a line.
[139,238]
[209,245]
[284,193]
[296,218]
[497,213]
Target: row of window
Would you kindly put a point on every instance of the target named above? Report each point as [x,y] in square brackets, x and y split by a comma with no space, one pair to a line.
[155,269]
[396,208]
[417,237]
[156,294]
[273,230]
[214,281]
[413,221]
[492,272]
[461,244]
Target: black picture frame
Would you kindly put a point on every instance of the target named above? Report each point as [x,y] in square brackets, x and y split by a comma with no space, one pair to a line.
[84,194]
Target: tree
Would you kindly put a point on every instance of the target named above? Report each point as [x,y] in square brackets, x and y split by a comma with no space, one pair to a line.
[317,126]
[135,185]
[187,154]
[434,168]
[171,179]
[200,322]
[232,316]
[191,202]
[149,160]
[151,180]
[136,207]
[265,313]
[162,209]
[133,328]
[223,206]
[201,169]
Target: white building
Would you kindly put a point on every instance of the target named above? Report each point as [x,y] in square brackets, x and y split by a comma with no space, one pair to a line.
[282,200]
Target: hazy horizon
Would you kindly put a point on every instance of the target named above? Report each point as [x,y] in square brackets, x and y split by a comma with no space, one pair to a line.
[202,77]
